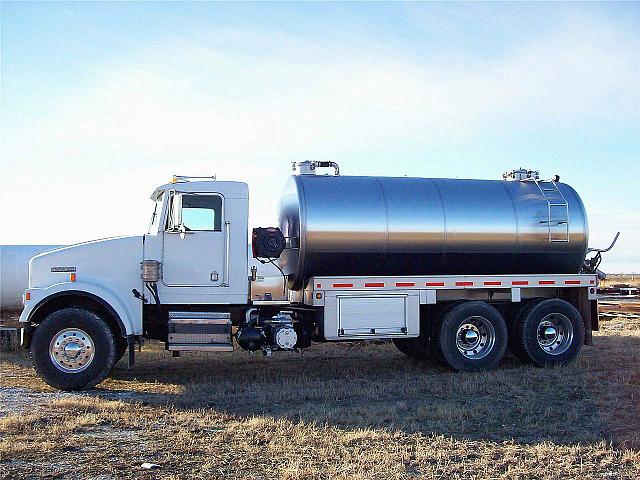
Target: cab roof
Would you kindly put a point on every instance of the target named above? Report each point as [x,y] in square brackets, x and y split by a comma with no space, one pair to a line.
[227,189]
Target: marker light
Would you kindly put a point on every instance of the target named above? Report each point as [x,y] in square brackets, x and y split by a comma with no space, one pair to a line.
[72,277]
[27,296]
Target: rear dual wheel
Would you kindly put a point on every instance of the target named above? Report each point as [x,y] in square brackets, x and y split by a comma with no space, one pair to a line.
[470,336]
[413,347]
[547,332]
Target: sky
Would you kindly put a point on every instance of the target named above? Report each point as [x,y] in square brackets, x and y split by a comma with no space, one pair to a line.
[102,102]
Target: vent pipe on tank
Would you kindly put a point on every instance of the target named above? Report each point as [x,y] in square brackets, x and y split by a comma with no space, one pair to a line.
[308,167]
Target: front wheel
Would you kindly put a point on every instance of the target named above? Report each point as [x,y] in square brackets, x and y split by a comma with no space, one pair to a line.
[73,349]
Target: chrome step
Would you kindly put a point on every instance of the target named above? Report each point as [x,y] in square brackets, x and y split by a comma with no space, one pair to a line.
[199,331]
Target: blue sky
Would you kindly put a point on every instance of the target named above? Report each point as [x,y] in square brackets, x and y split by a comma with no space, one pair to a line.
[103,101]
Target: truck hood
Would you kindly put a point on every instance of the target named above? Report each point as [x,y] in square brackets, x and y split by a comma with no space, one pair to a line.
[111,260]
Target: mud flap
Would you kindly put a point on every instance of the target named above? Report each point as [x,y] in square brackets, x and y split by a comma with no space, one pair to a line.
[131,348]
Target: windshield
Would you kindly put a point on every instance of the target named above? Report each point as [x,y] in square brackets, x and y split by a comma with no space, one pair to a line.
[155,217]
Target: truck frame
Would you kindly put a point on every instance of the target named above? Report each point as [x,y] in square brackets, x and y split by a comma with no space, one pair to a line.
[187,283]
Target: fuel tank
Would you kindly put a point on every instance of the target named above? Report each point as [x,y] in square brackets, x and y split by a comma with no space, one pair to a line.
[379,226]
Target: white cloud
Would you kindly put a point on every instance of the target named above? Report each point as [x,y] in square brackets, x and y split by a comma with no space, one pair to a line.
[183,95]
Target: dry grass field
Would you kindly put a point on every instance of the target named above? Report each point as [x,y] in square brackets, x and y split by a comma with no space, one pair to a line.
[629,279]
[360,411]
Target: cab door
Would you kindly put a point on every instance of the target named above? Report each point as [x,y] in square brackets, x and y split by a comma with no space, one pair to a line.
[194,244]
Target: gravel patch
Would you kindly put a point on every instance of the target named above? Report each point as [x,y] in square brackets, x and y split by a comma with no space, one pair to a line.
[19,400]
[16,400]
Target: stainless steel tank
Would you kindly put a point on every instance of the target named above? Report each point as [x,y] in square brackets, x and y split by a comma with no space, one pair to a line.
[342,225]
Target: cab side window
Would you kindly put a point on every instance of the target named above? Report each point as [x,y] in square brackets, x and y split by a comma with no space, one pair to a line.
[202,212]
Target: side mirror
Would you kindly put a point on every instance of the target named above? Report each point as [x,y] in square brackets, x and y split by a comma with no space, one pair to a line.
[175,213]
[175,224]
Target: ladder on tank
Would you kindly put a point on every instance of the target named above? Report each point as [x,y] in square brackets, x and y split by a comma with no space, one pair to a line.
[557,210]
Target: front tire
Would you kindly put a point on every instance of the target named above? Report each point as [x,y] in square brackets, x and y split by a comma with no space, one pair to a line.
[73,349]
[470,336]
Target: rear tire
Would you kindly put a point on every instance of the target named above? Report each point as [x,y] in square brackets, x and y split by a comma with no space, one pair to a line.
[515,346]
[470,336]
[412,347]
[548,332]
[73,349]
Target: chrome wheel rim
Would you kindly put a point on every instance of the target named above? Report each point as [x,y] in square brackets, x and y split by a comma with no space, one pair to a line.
[555,334]
[475,337]
[71,350]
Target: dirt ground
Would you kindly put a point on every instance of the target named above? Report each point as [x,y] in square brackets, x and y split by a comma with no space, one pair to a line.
[338,411]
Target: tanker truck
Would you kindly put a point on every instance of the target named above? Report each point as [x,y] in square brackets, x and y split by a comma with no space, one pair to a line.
[452,269]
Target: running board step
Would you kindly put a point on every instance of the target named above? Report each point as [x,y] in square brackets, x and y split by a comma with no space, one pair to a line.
[199,331]
[199,347]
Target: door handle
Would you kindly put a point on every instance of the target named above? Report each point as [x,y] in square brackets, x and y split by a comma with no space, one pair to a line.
[214,276]
[227,245]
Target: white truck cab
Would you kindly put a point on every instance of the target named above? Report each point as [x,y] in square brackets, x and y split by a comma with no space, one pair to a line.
[187,282]
[199,234]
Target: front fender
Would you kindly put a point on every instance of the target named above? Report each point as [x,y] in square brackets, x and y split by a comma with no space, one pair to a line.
[130,321]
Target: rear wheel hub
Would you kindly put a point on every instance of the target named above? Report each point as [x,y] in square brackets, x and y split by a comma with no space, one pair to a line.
[475,337]
[555,333]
